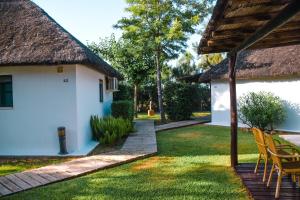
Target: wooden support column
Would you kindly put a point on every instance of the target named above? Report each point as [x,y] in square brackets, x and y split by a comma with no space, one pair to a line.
[233,109]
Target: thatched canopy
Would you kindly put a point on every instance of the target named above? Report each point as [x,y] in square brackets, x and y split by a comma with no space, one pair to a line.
[234,21]
[264,63]
[190,78]
[29,36]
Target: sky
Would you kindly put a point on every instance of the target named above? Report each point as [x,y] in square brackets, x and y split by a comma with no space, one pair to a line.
[89,20]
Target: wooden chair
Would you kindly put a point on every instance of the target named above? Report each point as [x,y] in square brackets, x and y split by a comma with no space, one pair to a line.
[290,167]
[262,150]
[259,137]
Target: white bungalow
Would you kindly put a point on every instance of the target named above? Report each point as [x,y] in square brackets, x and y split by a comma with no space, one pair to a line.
[275,70]
[48,79]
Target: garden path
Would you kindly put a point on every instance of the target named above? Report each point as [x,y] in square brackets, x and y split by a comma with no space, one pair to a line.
[139,145]
[179,124]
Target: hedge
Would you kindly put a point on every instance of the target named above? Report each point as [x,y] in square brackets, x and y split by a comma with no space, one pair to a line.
[123,109]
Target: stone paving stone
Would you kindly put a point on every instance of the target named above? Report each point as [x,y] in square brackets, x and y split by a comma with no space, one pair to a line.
[140,144]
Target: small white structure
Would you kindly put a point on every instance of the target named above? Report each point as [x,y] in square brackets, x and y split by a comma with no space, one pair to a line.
[275,70]
[48,79]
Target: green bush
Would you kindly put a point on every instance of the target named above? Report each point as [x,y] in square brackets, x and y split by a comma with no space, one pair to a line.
[123,109]
[109,130]
[261,110]
[125,92]
[180,100]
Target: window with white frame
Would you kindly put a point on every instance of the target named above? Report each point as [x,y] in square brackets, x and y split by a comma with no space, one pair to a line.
[111,83]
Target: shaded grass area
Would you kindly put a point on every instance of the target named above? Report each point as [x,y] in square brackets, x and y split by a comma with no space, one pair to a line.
[156,117]
[192,163]
[9,166]
[144,116]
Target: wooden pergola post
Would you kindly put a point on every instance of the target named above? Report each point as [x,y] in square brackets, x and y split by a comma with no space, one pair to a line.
[233,109]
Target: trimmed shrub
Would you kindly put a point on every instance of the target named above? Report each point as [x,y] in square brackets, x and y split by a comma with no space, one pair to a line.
[180,100]
[123,109]
[109,130]
[261,110]
[125,92]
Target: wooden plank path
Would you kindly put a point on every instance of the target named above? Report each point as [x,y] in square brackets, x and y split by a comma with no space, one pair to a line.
[179,124]
[258,190]
[139,145]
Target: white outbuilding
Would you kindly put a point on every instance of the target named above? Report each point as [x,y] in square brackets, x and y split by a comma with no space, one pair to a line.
[48,79]
[275,70]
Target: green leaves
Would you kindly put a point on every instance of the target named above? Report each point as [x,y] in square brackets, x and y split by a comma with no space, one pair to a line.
[109,130]
[180,100]
[163,24]
[131,59]
[262,110]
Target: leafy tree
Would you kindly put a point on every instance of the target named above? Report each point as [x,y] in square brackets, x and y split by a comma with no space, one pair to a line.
[185,66]
[163,27]
[209,60]
[134,62]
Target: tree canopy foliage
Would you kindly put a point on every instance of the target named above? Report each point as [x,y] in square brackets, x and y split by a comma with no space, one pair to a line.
[163,28]
[134,63]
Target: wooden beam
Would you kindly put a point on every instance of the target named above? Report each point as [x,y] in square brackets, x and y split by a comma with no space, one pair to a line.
[233,109]
[247,18]
[285,14]
[246,32]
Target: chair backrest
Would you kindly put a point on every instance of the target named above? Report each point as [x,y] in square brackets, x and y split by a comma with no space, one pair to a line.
[273,151]
[260,141]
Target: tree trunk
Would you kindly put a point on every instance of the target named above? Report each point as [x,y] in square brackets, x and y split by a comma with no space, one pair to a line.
[159,88]
[135,99]
[233,110]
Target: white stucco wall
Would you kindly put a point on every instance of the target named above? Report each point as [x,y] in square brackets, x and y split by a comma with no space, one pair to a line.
[88,101]
[43,100]
[286,89]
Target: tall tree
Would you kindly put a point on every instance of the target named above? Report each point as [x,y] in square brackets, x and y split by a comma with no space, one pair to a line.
[134,62]
[185,66]
[164,26]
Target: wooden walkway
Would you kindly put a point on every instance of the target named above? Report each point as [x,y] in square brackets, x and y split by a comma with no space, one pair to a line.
[179,124]
[258,190]
[141,144]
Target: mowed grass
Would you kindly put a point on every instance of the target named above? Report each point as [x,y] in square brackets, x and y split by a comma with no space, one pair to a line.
[144,116]
[9,166]
[192,163]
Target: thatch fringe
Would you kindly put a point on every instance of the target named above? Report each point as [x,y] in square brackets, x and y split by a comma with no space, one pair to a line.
[264,63]
[29,36]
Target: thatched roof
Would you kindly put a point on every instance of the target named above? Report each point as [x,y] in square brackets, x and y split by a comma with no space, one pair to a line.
[263,63]
[29,36]
[234,21]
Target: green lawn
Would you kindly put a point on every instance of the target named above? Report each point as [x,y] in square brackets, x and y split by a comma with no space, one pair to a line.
[8,166]
[192,163]
[144,116]
[156,117]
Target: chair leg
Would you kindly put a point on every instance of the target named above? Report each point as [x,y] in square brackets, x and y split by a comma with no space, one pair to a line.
[270,176]
[265,170]
[294,178]
[257,163]
[278,184]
